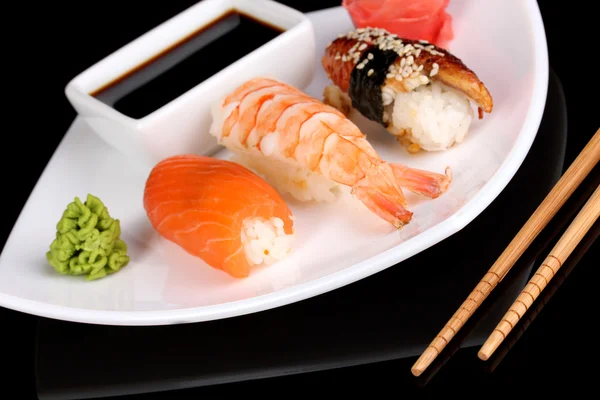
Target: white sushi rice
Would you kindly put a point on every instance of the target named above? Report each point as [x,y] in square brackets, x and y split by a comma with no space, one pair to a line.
[265,241]
[302,184]
[433,116]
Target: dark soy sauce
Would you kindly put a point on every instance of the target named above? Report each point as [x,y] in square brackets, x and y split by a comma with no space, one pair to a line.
[186,64]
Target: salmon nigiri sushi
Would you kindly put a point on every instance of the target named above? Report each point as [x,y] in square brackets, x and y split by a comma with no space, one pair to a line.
[220,211]
[309,149]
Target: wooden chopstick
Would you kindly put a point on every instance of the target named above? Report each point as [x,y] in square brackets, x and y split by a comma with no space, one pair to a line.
[557,257]
[536,308]
[575,174]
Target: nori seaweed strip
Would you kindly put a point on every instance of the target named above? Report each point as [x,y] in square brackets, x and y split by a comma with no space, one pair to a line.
[365,90]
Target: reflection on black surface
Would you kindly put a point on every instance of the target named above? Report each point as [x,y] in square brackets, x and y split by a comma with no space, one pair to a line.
[544,298]
[391,315]
[529,261]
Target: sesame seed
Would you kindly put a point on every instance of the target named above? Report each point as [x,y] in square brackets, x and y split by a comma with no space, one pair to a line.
[423,79]
[387,41]
[370,72]
[436,66]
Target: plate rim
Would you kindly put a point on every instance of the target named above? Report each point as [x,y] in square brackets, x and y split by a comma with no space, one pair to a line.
[372,265]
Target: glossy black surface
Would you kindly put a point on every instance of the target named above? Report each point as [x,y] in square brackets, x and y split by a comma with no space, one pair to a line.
[374,328]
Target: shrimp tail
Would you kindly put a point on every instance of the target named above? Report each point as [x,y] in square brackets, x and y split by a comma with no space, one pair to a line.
[430,184]
[380,192]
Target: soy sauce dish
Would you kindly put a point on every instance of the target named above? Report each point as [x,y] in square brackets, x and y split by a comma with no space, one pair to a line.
[152,98]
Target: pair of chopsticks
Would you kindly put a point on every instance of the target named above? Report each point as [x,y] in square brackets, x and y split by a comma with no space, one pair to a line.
[560,193]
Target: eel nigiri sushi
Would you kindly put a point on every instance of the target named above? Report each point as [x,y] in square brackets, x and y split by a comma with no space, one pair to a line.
[419,92]
[195,202]
[305,147]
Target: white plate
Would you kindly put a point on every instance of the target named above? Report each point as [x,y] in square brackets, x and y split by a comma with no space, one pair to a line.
[502,40]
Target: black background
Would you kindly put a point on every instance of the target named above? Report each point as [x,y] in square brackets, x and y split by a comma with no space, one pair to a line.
[46,45]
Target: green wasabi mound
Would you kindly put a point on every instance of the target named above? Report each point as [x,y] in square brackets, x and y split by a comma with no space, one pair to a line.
[87,241]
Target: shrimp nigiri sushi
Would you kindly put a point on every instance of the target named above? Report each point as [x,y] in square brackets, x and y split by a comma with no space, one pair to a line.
[307,148]
[420,93]
[195,202]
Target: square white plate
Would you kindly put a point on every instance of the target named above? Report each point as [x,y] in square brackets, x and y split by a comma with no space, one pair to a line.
[337,243]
